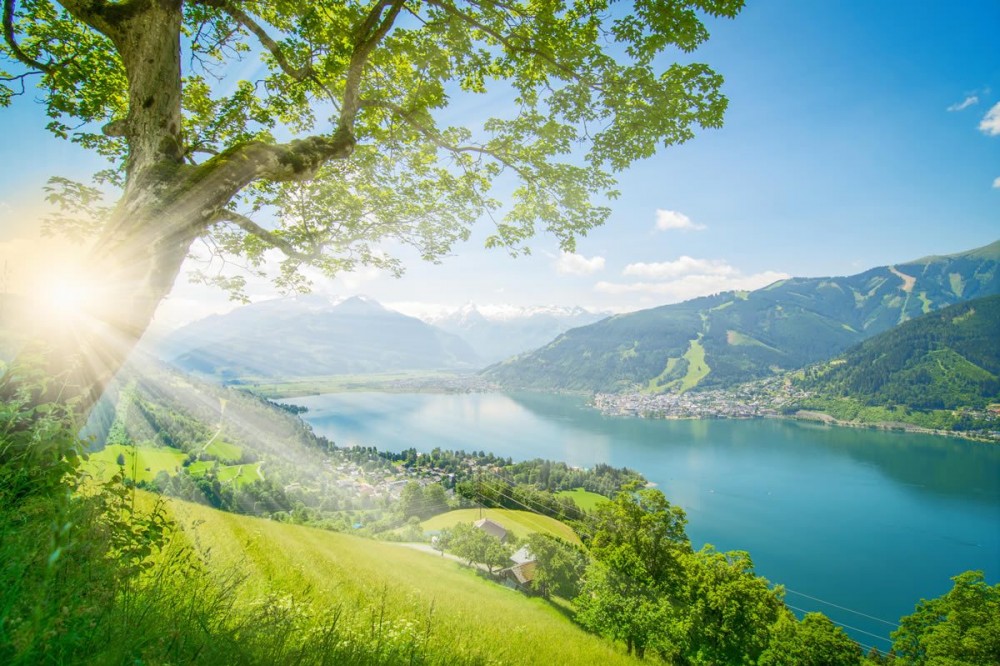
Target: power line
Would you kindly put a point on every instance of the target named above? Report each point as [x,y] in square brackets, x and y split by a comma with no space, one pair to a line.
[845,626]
[849,610]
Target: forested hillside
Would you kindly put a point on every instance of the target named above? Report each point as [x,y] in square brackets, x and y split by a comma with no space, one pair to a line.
[944,360]
[732,337]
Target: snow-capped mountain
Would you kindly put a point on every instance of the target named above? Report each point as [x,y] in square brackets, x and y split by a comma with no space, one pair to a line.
[496,332]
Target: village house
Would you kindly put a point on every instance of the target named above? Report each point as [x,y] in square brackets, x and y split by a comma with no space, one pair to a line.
[493,529]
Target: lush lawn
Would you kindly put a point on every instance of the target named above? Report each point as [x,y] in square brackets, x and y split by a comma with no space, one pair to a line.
[142,463]
[224,451]
[584,499]
[238,474]
[241,475]
[521,523]
[454,614]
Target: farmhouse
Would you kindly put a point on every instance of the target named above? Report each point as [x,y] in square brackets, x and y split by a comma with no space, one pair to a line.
[493,529]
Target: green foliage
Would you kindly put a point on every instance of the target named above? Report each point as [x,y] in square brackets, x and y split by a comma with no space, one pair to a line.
[727,611]
[559,566]
[422,502]
[39,449]
[475,545]
[638,545]
[591,95]
[960,628]
[939,361]
[813,641]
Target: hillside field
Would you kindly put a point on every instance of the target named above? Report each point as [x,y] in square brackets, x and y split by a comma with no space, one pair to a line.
[451,611]
[521,523]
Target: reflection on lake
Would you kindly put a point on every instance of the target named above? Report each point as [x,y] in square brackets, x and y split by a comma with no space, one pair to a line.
[869,520]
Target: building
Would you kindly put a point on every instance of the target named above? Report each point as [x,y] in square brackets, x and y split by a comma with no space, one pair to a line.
[493,529]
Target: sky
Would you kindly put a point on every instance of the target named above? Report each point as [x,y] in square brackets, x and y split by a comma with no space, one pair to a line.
[858,134]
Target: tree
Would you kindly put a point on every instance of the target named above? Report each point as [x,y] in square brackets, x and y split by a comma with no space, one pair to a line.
[559,566]
[960,628]
[728,610]
[476,546]
[815,641]
[411,500]
[343,140]
[638,545]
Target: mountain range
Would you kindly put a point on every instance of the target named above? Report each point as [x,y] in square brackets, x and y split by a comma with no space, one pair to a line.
[496,334]
[732,337]
[311,336]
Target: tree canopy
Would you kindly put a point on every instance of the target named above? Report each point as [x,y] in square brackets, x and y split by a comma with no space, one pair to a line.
[359,126]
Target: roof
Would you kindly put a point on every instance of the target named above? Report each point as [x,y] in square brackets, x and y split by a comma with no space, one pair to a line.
[522,556]
[493,529]
[523,573]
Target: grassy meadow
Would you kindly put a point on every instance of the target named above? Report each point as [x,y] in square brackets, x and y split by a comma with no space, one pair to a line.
[584,499]
[520,523]
[142,463]
[392,592]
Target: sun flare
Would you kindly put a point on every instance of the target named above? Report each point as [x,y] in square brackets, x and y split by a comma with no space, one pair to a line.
[67,296]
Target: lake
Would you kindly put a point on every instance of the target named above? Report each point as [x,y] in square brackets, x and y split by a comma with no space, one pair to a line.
[859,524]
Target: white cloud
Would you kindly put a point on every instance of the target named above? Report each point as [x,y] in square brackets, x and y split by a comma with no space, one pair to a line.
[693,285]
[672,219]
[570,263]
[990,124]
[996,182]
[965,103]
[682,266]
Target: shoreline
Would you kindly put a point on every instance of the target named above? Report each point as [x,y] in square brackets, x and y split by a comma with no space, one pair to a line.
[811,416]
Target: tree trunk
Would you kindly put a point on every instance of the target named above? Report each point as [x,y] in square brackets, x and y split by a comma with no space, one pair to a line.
[79,355]
[165,206]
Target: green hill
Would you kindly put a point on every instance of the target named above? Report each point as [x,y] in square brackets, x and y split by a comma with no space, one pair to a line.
[943,360]
[450,613]
[519,523]
[732,337]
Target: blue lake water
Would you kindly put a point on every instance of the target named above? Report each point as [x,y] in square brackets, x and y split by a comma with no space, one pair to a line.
[867,520]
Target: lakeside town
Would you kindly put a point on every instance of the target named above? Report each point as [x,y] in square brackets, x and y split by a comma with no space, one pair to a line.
[763,398]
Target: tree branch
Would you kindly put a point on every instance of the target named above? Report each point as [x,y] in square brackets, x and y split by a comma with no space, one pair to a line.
[374,28]
[434,136]
[9,7]
[248,22]
[103,17]
[269,237]
[510,46]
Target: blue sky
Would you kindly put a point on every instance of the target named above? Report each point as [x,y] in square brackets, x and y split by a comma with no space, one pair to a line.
[839,153]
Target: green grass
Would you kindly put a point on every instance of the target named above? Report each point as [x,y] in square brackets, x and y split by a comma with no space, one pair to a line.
[224,451]
[241,475]
[450,611]
[151,460]
[697,367]
[520,523]
[737,339]
[656,384]
[584,499]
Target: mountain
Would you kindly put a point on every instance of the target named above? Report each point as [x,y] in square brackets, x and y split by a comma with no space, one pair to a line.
[731,337]
[309,336]
[499,333]
[942,360]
